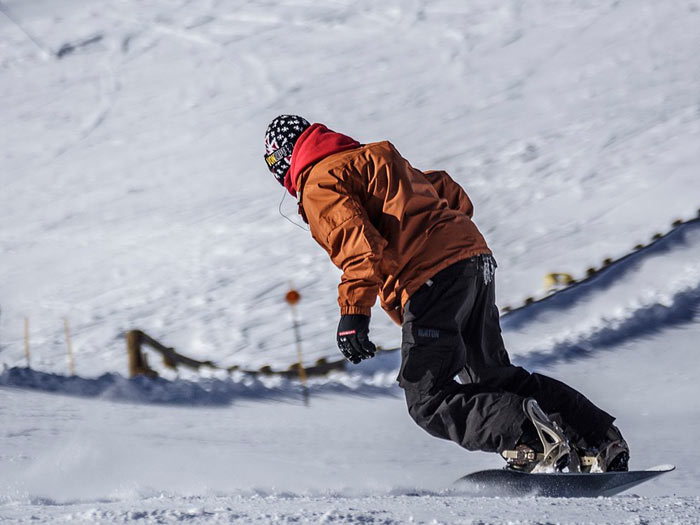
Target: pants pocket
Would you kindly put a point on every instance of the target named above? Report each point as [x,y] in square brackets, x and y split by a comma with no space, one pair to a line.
[427,358]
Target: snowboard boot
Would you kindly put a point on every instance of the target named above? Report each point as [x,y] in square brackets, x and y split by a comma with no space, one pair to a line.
[552,453]
[612,455]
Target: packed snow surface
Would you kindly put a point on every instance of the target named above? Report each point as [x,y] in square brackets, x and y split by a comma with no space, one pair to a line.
[133,194]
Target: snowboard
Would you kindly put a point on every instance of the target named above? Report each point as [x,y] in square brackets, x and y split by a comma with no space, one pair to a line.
[509,482]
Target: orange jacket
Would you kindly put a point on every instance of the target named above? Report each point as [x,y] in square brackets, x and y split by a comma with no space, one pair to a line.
[388,226]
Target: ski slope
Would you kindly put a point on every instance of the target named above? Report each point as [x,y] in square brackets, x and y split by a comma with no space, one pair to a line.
[133,195]
[349,456]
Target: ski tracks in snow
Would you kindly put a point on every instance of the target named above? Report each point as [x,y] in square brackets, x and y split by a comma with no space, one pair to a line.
[181,94]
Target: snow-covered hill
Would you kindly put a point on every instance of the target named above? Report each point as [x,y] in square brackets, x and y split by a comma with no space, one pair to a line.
[133,194]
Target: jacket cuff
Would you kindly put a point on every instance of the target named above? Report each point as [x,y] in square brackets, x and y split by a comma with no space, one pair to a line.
[355,310]
[395,315]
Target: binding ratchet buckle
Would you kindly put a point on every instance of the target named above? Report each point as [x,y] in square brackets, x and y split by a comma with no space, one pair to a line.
[522,456]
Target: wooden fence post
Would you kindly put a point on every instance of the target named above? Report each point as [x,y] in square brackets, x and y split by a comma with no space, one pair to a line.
[133,350]
[138,364]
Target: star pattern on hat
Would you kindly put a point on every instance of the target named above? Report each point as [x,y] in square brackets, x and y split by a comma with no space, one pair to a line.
[282,131]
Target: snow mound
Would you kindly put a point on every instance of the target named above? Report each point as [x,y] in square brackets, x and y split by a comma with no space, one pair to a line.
[681,308]
[202,391]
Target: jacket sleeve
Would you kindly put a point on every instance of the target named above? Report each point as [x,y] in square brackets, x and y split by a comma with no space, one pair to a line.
[339,223]
[453,193]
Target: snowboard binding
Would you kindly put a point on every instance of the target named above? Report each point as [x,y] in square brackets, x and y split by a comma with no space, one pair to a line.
[611,456]
[557,455]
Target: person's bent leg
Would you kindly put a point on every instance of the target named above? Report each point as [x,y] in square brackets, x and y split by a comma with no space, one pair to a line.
[487,421]
[488,364]
[478,417]
[563,403]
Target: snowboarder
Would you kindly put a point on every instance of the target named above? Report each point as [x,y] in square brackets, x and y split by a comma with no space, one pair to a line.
[408,236]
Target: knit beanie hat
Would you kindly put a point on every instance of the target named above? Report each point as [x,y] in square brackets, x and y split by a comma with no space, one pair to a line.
[280,137]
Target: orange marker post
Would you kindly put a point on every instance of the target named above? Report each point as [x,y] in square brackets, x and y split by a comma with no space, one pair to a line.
[293,297]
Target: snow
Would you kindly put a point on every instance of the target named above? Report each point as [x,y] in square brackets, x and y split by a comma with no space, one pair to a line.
[652,288]
[268,457]
[133,195]
[392,509]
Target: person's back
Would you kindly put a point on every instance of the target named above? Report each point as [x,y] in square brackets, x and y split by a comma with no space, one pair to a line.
[422,220]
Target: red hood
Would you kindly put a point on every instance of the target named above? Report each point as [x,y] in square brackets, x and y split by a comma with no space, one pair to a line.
[316,143]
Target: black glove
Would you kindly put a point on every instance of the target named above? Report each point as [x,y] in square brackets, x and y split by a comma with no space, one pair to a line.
[353,338]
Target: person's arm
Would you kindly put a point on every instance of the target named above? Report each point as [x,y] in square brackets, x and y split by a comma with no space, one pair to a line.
[453,193]
[339,223]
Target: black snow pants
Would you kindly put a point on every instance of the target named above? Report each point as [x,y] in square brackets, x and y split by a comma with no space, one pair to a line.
[451,328]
